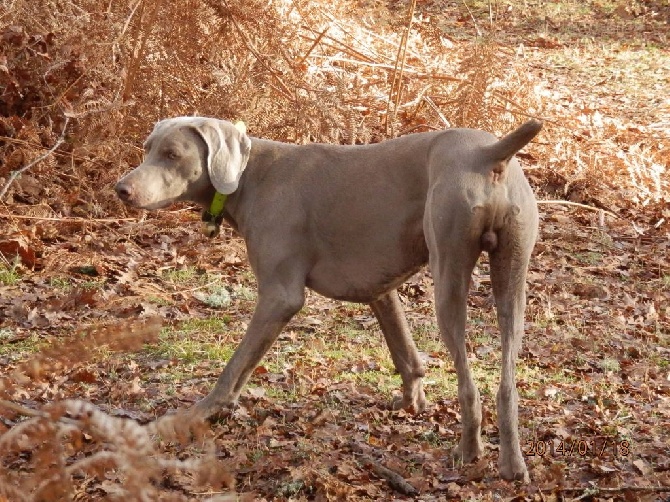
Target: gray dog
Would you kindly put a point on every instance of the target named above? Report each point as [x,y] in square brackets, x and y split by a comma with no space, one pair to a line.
[353,223]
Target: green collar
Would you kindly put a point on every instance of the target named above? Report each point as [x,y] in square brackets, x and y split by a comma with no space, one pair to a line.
[213,217]
[216,207]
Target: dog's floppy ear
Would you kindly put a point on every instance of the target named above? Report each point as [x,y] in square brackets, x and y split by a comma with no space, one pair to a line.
[228,148]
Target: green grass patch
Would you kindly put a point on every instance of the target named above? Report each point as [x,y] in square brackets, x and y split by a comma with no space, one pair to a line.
[18,350]
[205,325]
[61,283]
[93,284]
[609,364]
[590,258]
[382,381]
[197,340]
[182,276]
[281,394]
[66,284]
[158,300]
[427,331]
[9,274]
[661,361]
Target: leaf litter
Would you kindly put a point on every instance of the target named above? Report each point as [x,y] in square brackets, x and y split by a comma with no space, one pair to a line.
[594,371]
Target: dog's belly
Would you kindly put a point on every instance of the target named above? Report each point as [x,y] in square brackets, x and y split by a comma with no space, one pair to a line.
[359,291]
[363,274]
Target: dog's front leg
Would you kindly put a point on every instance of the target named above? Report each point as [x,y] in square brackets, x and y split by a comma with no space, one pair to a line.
[276,306]
[391,317]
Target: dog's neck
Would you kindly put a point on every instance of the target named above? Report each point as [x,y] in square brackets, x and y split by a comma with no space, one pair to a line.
[212,217]
[216,207]
[260,159]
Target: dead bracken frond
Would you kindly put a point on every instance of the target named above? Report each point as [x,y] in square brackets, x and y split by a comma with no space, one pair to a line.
[72,443]
[122,337]
[293,70]
[472,98]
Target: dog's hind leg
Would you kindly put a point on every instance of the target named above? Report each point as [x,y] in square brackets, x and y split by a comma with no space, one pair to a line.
[452,281]
[509,263]
[391,316]
[454,249]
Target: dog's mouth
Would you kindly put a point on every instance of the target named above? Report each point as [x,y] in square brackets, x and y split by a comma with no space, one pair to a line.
[151,206]
[154,206]
[134,192]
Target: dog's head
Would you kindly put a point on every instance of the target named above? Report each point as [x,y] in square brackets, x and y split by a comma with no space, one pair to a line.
[187,158]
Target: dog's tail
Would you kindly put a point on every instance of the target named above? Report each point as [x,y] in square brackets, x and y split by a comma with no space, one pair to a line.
[499,154]
[502,151]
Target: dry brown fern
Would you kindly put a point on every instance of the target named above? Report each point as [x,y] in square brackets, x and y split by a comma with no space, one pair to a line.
[67,445]
[123,336]
[472,97]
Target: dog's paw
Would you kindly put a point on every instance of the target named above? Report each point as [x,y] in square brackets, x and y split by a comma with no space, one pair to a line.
[513,468]
[211,411]
[468,449]
[415,404]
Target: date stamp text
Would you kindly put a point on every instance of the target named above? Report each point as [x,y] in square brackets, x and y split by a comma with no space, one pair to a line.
[577,447]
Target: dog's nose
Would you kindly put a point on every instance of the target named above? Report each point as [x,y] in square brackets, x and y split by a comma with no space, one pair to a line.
[123,191]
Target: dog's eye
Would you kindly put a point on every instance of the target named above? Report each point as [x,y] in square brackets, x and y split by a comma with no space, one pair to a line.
[172,155]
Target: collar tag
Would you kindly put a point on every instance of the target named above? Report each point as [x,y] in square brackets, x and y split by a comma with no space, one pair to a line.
[213,217]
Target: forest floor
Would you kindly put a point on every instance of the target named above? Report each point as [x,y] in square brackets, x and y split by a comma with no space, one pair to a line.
[313,422]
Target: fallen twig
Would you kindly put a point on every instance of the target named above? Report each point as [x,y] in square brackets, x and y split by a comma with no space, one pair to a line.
[591,491]
[395,480]
[577,204]
[18,172]
[68,219]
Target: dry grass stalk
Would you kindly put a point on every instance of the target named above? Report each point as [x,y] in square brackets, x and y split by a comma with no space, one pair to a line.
[395,93]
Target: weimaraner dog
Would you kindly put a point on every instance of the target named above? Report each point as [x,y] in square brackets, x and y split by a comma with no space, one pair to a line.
[353,223]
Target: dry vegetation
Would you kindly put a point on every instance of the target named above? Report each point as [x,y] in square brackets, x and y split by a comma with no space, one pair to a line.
[81,84]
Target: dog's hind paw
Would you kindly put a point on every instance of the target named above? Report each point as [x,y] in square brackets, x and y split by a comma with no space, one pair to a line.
[468,450]
[513,469]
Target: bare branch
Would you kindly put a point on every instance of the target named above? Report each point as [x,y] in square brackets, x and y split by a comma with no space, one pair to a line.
[18,172]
